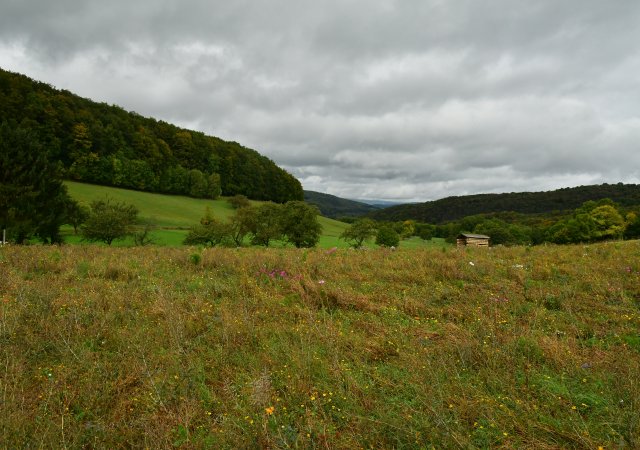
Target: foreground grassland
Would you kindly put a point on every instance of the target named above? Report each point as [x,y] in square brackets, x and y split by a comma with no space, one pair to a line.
[283,348]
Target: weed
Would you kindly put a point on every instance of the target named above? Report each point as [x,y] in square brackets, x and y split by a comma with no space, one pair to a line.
[195,258]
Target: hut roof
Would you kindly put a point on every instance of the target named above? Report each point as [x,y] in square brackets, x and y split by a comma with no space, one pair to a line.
[474,236]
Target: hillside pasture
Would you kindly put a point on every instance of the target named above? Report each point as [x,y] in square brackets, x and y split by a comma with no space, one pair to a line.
[174,214]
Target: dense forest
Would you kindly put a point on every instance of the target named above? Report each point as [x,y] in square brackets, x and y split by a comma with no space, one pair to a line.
[561,200]
[104,144]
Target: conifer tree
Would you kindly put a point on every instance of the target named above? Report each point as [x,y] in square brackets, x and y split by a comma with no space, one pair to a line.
[32,196]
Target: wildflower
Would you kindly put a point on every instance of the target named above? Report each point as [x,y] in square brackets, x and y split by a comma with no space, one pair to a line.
[320,281]
[269,410]
[471,263]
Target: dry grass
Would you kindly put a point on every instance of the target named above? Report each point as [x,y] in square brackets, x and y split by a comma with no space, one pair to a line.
[153,347]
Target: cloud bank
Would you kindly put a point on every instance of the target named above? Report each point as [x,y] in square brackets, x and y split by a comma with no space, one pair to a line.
[400,100]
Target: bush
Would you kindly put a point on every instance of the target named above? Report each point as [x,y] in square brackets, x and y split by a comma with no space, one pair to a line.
[387,237]
[109,221]
[212,234]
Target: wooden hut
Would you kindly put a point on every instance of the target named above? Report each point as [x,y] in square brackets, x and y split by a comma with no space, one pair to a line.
[472,240]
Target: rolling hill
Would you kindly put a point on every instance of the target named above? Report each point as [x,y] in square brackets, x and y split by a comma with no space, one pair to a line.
[455,208]
[106,145]
[335,207]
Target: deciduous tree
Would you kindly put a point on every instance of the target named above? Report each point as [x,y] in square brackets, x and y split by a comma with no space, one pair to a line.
[267,224]
[360,231]
[109,221]
[300,224]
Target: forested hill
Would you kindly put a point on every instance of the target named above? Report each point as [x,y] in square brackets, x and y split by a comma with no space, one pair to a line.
[454,208]
[336,207]
[104,144]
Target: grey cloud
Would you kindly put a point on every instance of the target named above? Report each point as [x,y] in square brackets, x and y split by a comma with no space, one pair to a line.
[409,100]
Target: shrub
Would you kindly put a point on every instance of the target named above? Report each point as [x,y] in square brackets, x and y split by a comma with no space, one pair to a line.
[109,221]
[387,237]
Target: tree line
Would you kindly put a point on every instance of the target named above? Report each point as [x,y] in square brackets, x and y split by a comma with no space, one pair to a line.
[593,221]
[456,208]
[104,144]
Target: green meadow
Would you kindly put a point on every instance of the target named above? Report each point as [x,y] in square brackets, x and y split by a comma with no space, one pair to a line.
[160,347]
[174,214]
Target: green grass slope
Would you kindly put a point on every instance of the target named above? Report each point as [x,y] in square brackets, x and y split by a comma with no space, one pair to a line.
[526,348]
[173,212]
[167,211]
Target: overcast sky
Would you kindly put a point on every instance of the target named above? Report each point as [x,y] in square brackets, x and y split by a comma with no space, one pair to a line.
[407,100]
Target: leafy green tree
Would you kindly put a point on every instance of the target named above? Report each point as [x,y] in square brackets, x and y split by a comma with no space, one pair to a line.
[360,231]
[198,185]
[32,196]
[300,224]
[109,221]
[571,231]
[408,229]
[632,230]
[137,174]
[214,186]
[241,224]
[503,233]
[608,223]
[425,231]
[81,140]
[210,234]
[593,221]
[76,214]
[239,201]
[387,236]
[267,224]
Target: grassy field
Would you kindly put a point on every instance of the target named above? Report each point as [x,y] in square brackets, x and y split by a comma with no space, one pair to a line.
[174,214]
[247,348]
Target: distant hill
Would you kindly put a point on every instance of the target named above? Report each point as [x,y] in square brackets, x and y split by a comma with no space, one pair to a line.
[332,206]
[454,208]
[380,203]
[106,145]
